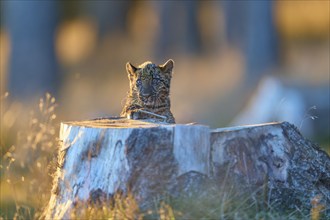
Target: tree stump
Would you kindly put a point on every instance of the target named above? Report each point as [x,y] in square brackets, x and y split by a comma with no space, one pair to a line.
[295,171]
[105,156]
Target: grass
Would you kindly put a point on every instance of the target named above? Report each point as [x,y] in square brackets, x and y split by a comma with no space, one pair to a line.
[219,204]
[28,160]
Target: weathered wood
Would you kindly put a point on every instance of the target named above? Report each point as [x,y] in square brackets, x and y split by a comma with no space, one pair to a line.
[121,155]
[294,170]
[102,157]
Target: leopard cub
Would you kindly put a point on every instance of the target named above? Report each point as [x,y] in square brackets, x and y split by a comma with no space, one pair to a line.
[149,93]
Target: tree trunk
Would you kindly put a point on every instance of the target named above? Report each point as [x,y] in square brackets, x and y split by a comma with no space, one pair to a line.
[33,67]
[110,16]
[105,156]
[250,26]
[178,28]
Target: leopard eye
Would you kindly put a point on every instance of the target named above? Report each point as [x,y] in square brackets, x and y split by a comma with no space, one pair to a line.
[138,82]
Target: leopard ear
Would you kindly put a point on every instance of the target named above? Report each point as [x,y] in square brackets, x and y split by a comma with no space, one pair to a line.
[167,67]
[130,69]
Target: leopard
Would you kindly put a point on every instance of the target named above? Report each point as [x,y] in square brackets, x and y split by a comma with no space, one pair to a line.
[148,97]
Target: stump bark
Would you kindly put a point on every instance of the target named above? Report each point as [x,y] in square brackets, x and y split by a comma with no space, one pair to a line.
[150,160]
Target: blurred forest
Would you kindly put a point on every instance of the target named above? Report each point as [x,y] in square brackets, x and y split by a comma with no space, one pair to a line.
[77,51]
[236,62]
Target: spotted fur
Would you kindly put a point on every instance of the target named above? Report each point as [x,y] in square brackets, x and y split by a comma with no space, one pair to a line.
[149,94]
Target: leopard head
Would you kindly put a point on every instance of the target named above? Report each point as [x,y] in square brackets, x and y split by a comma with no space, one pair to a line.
[150,84]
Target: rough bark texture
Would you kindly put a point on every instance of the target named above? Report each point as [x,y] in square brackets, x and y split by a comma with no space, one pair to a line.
[295,171]
[101,157]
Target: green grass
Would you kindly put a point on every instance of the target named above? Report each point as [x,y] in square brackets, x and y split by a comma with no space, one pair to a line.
[212,205]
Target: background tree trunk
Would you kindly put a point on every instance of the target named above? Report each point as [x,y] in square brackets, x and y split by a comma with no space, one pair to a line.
[110,16]
[33,68]
[102,157]
[178,28]
[250,26]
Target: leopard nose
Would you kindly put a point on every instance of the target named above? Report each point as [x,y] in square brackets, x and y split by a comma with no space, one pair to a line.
[146,94]
[146,91]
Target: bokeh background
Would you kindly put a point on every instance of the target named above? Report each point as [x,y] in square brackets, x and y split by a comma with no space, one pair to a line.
[236,62]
